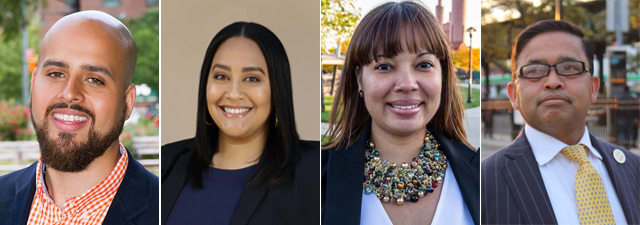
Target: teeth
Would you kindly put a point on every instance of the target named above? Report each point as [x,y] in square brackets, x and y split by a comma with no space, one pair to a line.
[405,107]
[236,110]
[69,118]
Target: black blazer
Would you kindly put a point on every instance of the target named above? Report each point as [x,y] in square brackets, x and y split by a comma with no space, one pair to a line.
[136,201]
[293,202]
[342,174]
[513,191]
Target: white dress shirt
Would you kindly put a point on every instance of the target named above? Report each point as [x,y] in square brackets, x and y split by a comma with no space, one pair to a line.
[559,175]
[451,207]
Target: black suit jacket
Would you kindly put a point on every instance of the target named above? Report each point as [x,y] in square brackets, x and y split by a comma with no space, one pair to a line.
[342,176]
[513,191]
[136,201]
[293,202]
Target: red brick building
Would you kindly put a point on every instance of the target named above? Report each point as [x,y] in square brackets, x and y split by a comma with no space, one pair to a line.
[121,9]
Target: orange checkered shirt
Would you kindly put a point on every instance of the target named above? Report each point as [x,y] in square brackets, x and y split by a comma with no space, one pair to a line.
[88,208]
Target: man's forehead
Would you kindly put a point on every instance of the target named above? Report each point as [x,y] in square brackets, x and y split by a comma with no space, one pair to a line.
[551,60]
[552,47]
[90,33]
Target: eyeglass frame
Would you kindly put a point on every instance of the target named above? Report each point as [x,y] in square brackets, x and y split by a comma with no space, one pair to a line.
[584,69]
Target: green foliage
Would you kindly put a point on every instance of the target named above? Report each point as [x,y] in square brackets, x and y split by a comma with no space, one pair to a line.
[11,61]
[10,70]
[12,15]
[145,31]
[338,20]
[14,122]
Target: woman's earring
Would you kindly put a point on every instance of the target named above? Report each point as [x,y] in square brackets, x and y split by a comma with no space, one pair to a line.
[361,93]
[206,121]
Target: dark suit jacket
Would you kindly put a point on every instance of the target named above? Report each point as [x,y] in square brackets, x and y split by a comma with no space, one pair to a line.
[513,191]
[136,201]
[342,177]
[293,202]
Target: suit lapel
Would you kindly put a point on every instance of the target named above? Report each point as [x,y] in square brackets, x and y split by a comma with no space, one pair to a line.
[465,164]
[132,197]
[20,205]
[344,182]
[171,190]
[525,183]
[248,203]
[624,178]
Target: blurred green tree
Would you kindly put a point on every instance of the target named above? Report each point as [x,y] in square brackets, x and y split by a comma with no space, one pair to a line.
[11,63]
[338,20]
[145,31]
[13,15]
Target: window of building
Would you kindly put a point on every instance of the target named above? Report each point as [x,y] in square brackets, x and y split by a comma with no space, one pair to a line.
[111,3]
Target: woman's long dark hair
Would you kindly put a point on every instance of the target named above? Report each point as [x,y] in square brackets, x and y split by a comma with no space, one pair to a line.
[280,151]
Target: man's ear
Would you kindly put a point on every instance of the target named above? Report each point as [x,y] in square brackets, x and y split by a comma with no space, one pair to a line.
[595,86]
[130,99]
[33,77]
[513,96]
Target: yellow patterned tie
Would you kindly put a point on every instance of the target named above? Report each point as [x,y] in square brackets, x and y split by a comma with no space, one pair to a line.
[593,204]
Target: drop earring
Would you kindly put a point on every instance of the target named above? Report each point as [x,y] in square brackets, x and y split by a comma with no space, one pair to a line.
[206,121]
[361,93]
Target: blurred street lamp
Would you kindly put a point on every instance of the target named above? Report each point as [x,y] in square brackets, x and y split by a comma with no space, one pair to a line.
[470,30]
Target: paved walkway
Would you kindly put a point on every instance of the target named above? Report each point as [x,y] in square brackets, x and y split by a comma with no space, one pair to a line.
[471,125]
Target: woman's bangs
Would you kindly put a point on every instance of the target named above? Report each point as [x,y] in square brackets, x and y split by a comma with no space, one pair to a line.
[389,34]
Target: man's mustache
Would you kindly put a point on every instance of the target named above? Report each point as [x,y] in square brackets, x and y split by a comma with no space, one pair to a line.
[64,105]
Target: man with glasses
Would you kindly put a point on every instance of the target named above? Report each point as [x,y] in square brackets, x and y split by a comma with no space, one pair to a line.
[555,171]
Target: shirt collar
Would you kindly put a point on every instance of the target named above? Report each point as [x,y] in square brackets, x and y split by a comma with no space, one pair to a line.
[546,147]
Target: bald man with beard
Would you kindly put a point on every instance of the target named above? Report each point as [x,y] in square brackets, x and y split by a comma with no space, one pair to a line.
[81,95]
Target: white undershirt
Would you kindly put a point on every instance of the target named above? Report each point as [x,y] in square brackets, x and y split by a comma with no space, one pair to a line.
[451,208]
[559,174]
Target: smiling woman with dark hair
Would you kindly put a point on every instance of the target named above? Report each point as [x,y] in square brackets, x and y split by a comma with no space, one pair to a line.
[246,164]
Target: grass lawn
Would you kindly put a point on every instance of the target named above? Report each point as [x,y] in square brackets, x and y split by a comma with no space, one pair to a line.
[325,139]
[328,102]
[475,96]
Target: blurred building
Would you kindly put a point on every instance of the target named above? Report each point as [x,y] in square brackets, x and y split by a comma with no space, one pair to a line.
[52,10]
[455,28]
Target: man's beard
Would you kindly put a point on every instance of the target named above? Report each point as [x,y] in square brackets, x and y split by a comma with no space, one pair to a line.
[64,153]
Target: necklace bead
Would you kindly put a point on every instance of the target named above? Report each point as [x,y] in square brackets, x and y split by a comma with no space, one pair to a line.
[409,181]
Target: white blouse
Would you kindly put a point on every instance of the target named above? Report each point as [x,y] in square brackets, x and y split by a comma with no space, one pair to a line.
[451,208]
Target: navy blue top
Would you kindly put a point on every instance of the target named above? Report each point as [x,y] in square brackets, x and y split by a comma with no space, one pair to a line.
[216,202]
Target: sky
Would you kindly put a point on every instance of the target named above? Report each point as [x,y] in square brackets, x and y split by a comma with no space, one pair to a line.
[472,18]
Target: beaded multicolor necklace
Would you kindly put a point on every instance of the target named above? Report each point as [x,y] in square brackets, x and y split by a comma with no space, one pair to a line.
[408,182]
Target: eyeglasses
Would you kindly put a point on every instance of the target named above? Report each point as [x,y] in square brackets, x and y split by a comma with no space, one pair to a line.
[540,70]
